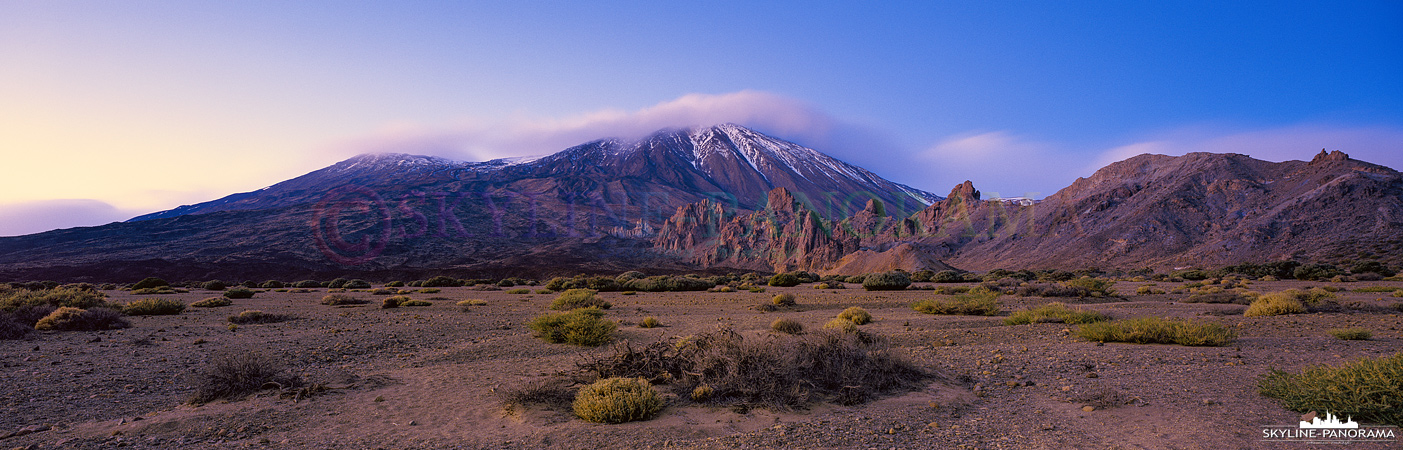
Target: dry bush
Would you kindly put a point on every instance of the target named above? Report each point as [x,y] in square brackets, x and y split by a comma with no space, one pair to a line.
[1351,334]
[342,299]
[11,328]
[617,400]
[469,303]
[777,370]
[153,307]
[74,319]
[1055,313]
[1275,304]
[649,322]
[578,298]
[784,280]
[392,302]
[583,327]
[982,304]
[554,393]
[406,301]
[519,291]
[212,302]
[73,296]
[886,281]
[235,373]
[255,316]
[841,324]
[856,315]
[384,291]
[785,299]
[1154,330]
[787,326]
[149,282]
[239,292]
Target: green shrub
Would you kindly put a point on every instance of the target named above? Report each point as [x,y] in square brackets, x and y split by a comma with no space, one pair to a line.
[886,281]
[578,298]
[1316,272]
[163,290]
[702,393]
[342,299]
[214,285]
[756,289]
[1351,334]
[830,285]
[519,291]
[392,302]
[663,284]
[72,296]
[473,302]
[1146,290]
[1376,289]
[74,319]
[617,400]
[1366,389]
[1275,304]
[356,284]
[787,326]
[649,322]
[856,315]
[339,283]
[722,289]
[255,316]
[1054,313]
[150,282]
[441,281]
[854,279]
[307,284]
[272,284]
[784,280]
[212,302]
[153,307]
[505,283]
[1154,330]
[629,276]
[409,302]
[785,299]
[948,276]
[583,327]
[239,292]
[983,304]
[841,324]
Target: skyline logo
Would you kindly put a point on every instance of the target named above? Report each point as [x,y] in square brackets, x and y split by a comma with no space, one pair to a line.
[1313,429]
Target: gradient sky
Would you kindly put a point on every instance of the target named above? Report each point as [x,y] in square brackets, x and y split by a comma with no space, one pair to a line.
[113,109]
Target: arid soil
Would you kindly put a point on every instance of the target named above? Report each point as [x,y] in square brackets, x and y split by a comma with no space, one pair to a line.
[427,377]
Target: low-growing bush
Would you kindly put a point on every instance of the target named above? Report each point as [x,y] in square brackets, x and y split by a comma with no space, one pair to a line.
[1351,334]
[214,285]
[785,299]
[1366,389]
[150,282]
[666,284]
[583,327]
[74,319]
[1054,313]
[830,285]
[162,290]
[1146,290]
[307,284]
[212,302]
[784,280]
[1215,294]
[384,291]
[338,283]
[519,291]
[722,289]
[617,400]
[256,316]
[1376,289]
[578,298]
[392,302]
[272,284]
[236,373]
[357,284]
[986,304]
[11,327]
[886,281]
[410,302]
[342,299]
[430,290]
[1154,330]
[948,276]
[1275,304]
[787,326]
[856,315]
[649,322]
[239,292]
[153,307]
[756,289]
[473,302]
[841,324]
[73,296]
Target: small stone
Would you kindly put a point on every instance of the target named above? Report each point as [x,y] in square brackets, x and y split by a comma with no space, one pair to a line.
[1088,408]
[1092,375]
[933,425]
[1012,383]
[413,423]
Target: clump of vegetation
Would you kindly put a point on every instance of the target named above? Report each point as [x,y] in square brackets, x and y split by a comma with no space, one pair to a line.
[1147,290]
[473,302]
[1376,289]
[163,290]
[234,374]
[256,316]
[775,370]
[150,283]
[308,284]
[272,284]
[212,302]
[649,322]
[406,301]
[1290,301]
[830,285]
[75,319]
[787,326]
[342,299]
[12,328]
[519,291]
[1351,334]
[841,324]
[239,292]
[578,298]
[584,327]
[1154,330]
[722,289]
[214,285]
[755,289]
[856,315]
[617,400]
[784,280]
[785,299]
[391,302]
[666,284]
[982,304]
[1216,294]
[384,291]
[1055,313]
[886,281]
[73,296]
[356,284]
[153,307]
[1366,389]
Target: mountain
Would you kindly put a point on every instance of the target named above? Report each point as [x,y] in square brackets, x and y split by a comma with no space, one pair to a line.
[1201,209]
[587,208]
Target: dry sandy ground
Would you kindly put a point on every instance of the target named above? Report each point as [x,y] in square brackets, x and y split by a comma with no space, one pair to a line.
[425,377]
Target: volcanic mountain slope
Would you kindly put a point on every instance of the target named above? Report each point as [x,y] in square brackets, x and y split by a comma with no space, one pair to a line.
[1147,211]
[583,208]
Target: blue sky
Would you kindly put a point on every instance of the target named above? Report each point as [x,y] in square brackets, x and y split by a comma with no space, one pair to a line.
[119,108]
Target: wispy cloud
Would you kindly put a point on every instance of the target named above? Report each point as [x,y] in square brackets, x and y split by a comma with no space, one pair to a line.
[39,216]
[482,139]
[1001,163]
